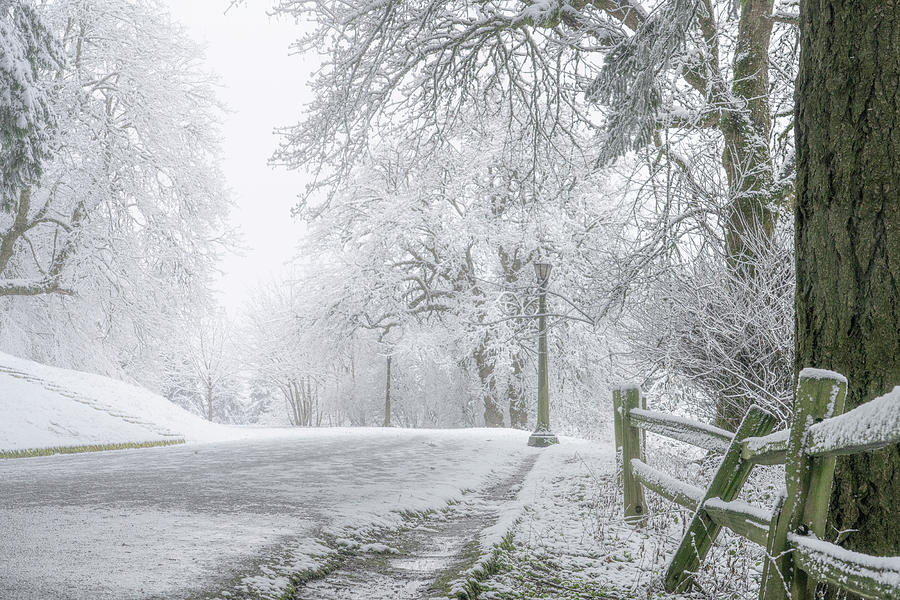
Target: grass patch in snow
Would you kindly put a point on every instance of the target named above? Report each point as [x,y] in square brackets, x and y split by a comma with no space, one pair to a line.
[514,573]
[470,586]
[329,564]
[410,516]
[542,577]
[32,452]
[275,581]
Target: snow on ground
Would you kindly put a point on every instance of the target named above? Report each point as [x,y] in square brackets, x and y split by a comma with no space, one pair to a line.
[42,406]
[239,516]
[569,539]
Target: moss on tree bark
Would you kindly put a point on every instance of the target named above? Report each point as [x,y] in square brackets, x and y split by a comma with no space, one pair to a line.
[848,236]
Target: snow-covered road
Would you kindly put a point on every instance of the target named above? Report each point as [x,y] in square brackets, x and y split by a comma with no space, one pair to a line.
[195,520]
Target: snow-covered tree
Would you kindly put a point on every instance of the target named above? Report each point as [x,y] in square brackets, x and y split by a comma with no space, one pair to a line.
[657,74]
[288,356]
[109,229]
[444,245]
[686,103]
[209,368]
[30,56]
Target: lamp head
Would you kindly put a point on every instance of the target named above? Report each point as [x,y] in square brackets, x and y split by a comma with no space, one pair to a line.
[542,270]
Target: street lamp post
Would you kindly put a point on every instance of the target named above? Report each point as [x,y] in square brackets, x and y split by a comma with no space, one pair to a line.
[542,435]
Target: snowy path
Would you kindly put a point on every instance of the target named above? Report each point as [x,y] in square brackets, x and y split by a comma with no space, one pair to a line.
[196,520]
[423,560]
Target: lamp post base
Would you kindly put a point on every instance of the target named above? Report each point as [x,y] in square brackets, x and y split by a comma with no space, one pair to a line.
[542,439]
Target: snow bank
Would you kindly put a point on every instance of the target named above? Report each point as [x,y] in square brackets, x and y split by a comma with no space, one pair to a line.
[568,516]
[544,469]
[42,407]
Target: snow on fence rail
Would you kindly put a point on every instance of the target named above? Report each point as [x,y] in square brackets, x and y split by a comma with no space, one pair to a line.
[867,427]
[666,486]
[861,574]
[748,521]
[767,450]
[691,432]
[795,561]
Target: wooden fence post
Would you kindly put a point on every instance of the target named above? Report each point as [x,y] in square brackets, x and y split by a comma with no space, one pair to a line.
[629,444]
[820,395]
[768,564]
[617,422]
[726,483]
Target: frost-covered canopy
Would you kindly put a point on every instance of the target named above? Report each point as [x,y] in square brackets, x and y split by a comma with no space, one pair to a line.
[29,57]
[113,206]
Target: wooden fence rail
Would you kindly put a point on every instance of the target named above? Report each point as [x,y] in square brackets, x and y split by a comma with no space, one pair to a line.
[767,450]
[791,530]
[685,430]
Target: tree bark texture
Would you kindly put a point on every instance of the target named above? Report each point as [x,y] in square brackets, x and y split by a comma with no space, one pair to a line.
[848,237]
[515,392]
[493,410]
[209,402]
[746,157]
[387,395]
[512,264]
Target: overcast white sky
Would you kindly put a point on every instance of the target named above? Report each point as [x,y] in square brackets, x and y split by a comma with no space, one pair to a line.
[264,88]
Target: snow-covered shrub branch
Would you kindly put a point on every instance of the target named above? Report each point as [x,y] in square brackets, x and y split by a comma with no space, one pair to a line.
[719,339]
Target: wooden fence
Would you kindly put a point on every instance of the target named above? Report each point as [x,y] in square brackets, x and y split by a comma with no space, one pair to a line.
[791,531]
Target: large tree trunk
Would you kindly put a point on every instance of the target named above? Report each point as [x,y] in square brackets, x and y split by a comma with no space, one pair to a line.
[848,236]
[209,401]
[387,395]
[515,393]
[493,411]
[746,157]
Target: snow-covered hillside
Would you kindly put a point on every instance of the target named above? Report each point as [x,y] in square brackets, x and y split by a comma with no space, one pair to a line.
[43,407]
